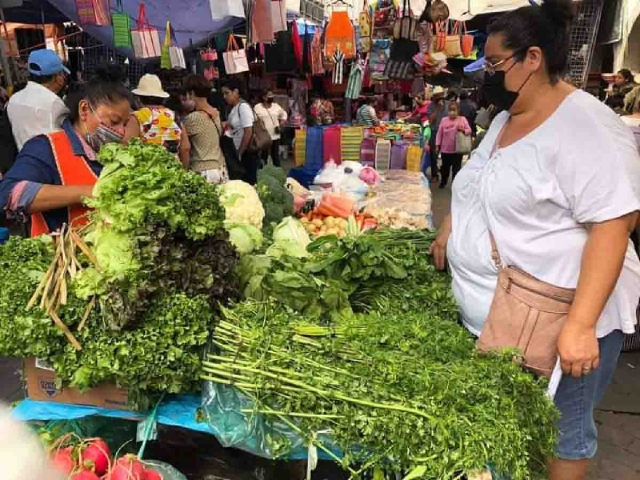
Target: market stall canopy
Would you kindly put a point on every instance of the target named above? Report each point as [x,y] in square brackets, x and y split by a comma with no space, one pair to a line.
[31,12]
[191,19]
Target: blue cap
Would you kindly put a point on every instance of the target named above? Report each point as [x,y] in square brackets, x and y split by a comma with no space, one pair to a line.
[46,62]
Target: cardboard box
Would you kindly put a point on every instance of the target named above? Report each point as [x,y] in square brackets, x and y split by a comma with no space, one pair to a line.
[41,385]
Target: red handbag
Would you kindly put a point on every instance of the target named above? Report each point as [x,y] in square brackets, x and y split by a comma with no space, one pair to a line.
[466,42]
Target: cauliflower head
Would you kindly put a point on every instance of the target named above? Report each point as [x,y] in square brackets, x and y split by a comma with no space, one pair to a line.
[242,204]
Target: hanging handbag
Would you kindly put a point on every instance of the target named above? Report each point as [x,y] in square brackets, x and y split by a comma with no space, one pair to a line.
[440,40]
[235,58]
[405,26]
[121,27]
[435,11]
[452,43]
[223,9]
[176,54]
[364,21]
[526,313]
[466,41]
[93,12]
[145,38]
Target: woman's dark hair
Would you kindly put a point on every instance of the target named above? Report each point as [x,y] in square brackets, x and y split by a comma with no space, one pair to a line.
[464,95]
[545,26]
[626,74]
[234,84]
[96,92]
[198,85]
[148,101]
[454,106]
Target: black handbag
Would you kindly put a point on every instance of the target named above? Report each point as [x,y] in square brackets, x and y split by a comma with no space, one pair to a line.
[231,157]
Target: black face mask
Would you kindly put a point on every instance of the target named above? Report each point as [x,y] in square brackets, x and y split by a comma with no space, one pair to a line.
[495,92]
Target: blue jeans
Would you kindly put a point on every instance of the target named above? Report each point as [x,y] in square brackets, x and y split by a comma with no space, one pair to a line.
[576,399]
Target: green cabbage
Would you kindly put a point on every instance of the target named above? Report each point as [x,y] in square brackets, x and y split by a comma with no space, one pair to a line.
[246,238]
[289,238]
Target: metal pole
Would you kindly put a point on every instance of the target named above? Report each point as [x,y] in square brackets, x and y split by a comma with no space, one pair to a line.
[3,56]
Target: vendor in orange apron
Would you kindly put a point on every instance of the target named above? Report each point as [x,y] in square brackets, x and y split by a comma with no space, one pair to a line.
[54,172]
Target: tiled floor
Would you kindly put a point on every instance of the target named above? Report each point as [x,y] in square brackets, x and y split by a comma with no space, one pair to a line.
[618,415]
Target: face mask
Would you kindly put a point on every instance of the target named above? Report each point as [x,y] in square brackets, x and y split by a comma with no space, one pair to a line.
[102,135]
[496,93]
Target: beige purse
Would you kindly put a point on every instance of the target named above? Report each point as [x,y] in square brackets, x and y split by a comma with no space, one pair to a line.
[527,314]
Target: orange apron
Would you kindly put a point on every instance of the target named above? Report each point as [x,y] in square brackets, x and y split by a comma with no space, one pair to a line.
[74,171]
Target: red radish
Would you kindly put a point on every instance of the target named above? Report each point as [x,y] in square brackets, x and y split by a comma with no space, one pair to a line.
[127,468]
[97,455]
[85,475]
[63,461]
[152,475]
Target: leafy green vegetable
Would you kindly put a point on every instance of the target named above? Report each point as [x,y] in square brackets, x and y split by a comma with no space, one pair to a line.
[289,238]
[246,238]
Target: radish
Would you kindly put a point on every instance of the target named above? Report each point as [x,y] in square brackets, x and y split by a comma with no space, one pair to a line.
[97,455]
[152,475]
[63,461]
[85,475]
[127,468]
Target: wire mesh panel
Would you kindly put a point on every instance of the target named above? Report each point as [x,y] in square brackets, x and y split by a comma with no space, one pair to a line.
[98,55]
[583,34]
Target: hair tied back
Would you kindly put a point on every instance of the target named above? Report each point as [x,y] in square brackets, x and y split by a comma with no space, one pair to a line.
[560,12]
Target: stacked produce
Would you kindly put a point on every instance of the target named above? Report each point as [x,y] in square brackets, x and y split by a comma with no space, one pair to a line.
[137,288]
[359,339]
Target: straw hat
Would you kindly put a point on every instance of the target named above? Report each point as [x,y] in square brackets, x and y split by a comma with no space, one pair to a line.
[150,86]
[438,91]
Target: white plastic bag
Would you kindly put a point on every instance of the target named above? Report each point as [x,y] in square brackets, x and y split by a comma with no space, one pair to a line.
[221,9]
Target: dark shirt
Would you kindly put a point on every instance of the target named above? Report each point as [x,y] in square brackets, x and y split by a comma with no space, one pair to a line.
[469,111]
[36,166]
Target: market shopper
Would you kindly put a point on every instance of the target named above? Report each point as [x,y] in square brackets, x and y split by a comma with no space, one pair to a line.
[321,111]
[273,118]
[623,84]
[436,111]
[366,114]
[538,184]
[54,172]
[38,109]
[240,124]
[446,143]
[204,127]
[156,124]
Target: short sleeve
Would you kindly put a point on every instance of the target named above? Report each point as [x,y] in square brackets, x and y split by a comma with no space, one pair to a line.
[193,123]
[598,170]
[246,115]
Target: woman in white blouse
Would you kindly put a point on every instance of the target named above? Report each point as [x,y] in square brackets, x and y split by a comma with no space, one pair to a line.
[557,182]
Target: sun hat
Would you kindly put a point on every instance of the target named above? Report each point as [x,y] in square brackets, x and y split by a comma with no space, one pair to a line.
[150,86]
[45,62]
[437,91]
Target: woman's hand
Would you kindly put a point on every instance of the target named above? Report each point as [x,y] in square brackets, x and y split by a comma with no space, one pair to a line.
[578,349]
[438,248]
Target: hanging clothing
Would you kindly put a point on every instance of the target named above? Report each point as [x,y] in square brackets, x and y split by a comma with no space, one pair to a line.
[317,61]
[338,68]
[261,26]
[296,41]
[354,87]
[341,35]
[280,56]
[278,16]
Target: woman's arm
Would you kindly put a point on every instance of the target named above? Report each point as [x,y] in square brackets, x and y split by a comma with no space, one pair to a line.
[578,345]
[465,126]
[440,134]
[439,246]
[50,197]
[184,152]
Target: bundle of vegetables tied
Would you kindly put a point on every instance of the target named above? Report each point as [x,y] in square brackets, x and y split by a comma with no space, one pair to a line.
[131,297]
[357,340]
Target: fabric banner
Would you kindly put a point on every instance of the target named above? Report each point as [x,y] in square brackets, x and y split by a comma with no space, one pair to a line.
[331,145]
[351,143]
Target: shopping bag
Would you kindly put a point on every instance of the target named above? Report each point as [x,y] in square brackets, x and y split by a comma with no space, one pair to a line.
[300,147]
[145,38]
[331,145]
[165,58]
[340,34]
[440,40]
[235,59]
[398,156]
[452,43]
[463,143]
[466,41]
[405,26]
[414,158]
[383,155]
[221,9]
[364,22]
[121,27]
[435,11]
[93,12]
[176,54]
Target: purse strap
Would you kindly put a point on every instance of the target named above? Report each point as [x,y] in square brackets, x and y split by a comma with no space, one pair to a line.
[142,21]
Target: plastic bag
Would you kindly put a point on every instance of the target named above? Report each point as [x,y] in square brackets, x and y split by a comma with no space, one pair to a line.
[329,175]
[352,186]
[166,470]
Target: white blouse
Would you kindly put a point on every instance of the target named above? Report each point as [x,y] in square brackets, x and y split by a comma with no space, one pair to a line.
[579,167]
